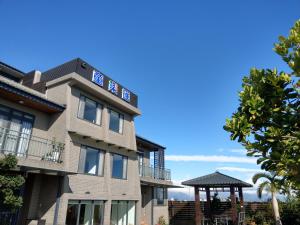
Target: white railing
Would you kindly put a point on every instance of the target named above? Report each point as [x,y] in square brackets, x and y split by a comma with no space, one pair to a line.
[155,173]
[25,145]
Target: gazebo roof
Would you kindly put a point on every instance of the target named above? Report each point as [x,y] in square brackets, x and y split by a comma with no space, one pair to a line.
[216,179]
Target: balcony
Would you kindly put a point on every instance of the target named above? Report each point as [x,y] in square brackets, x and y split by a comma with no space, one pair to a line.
[155,173]
[30,147]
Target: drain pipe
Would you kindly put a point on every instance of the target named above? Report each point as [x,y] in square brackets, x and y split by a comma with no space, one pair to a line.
[58,195]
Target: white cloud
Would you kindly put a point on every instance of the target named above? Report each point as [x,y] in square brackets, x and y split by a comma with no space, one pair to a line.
[210,158]
[238,169]
[239,151]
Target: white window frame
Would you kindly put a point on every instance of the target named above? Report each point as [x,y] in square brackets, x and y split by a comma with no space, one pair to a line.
[121,121]
[82,161]
[125,166]
[81,108]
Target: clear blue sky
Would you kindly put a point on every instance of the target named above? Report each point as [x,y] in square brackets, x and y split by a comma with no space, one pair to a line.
[184,59]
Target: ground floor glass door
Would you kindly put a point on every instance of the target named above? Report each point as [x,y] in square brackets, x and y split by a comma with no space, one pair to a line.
[122,213]
[85,212]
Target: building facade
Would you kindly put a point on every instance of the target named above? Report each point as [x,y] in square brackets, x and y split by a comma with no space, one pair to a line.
[72,129]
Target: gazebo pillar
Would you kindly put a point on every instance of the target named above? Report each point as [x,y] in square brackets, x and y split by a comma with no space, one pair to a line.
[197,206]
[207,189]
[233,205]
[241,197]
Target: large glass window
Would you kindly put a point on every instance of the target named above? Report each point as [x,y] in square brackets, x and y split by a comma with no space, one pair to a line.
[91,161]
[122,213]
[160,195]
[116,121]
[90,110]
[15,131]
[141,163]
[119,166]
[85,213]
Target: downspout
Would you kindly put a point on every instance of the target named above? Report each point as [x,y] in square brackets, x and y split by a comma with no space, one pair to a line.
[58,195]
[152,206]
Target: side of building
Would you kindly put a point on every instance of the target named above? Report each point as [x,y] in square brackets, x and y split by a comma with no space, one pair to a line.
[72,129]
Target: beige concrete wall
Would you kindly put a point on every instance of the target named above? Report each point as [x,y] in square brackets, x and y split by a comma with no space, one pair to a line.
[146,206]
[81,186]
[159,211]
[41,129]
[43,197]
[89,187]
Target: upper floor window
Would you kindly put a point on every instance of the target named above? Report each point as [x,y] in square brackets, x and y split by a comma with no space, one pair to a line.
[116,121]
[90,110]
[91,161]
[119,166]
[15,131]
[160,195]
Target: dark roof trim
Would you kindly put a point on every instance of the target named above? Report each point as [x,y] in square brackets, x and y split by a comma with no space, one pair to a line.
[85,70]
[155,184]
[216,179]
[139,138]
[12,68]
[31,97]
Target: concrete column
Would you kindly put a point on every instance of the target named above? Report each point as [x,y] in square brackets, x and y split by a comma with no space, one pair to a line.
[233,205]
[241,197]
[208,201]
[197,207]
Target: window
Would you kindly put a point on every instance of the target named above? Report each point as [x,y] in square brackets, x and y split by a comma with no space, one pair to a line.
[141,165]
[91,161]
[15,131]
[119,166]
[85,213]
[122,213]
[89,110]
[116,121]
[160,195]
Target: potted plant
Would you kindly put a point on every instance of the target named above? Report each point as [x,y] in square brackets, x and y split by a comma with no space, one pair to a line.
[161,221]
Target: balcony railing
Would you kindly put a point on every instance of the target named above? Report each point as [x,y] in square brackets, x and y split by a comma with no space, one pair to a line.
[29,146]
[8,218]
[155,173]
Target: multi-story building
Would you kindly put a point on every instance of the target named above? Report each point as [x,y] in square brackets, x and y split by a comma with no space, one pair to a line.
[72,129]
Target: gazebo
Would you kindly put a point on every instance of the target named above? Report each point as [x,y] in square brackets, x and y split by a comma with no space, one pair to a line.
[217,182]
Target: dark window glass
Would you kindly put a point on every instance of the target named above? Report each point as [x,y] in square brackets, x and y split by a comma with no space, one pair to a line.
[116,121]
[72,213]
[91,161]
[15,131]
[98,214]
[89,110]
[85,212]
[160,196]
[119,166]
[122,213]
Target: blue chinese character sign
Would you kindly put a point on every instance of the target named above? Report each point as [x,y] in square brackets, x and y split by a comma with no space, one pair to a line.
[126,94]
[113,87]
[98,78]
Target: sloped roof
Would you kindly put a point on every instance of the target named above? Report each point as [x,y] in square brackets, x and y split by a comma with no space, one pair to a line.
[216,179]
[149,143]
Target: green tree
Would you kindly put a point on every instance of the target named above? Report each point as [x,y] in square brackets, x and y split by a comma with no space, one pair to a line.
[10,183]
[270,184]
[267,121]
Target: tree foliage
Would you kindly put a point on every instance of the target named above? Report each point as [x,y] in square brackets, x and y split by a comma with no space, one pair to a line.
[10,183]
[267,121]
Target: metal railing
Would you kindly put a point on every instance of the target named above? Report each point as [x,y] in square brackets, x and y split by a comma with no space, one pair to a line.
[155,173]
[29,146]
[8,218]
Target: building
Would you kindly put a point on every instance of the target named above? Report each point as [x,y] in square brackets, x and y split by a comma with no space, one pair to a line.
[72,129]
